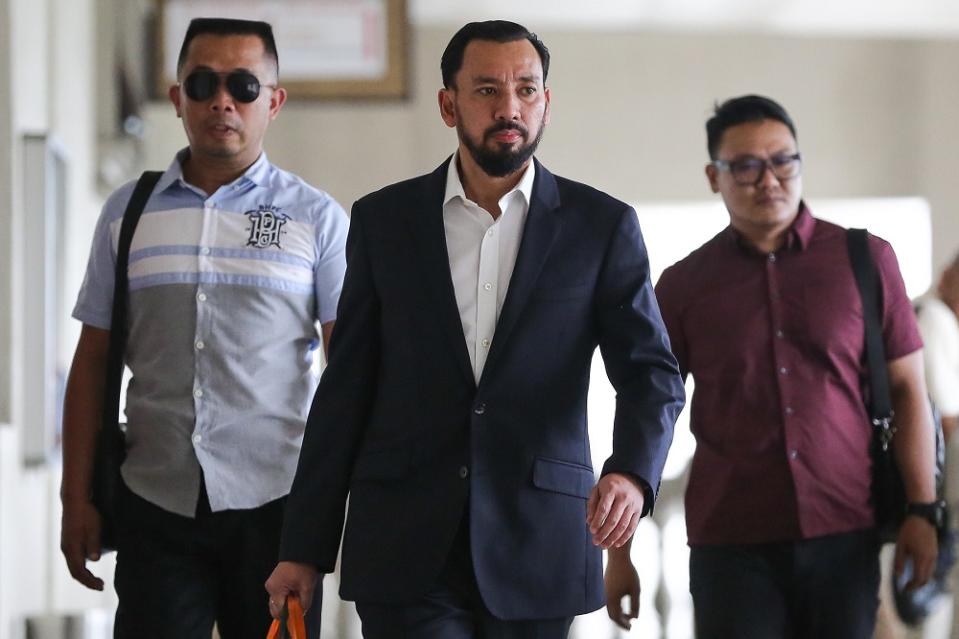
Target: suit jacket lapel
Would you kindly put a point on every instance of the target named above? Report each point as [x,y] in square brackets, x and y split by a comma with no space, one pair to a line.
[540,231]
[429,234]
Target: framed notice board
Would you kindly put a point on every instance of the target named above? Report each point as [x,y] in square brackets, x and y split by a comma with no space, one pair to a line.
[327,48]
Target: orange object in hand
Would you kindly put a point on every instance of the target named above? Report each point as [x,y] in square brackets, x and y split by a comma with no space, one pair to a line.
[290,625]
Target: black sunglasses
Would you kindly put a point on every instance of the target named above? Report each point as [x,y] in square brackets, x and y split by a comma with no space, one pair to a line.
[201,85]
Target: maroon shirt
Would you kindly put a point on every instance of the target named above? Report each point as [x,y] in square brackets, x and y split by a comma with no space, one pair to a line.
[774,344]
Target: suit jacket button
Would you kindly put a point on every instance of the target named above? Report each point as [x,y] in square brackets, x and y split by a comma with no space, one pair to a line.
[464,472]
[480,408]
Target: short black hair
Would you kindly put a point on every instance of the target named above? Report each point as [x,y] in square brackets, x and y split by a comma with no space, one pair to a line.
[495,31]
[228,27]
[746,108]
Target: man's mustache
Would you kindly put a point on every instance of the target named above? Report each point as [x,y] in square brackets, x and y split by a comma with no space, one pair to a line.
[507,126]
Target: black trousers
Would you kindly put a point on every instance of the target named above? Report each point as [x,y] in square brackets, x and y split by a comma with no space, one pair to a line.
[453,609]
[176,576]
[822,588]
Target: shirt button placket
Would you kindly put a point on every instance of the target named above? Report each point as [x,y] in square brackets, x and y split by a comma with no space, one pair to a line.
[204,242]
[779,347]
[485,301]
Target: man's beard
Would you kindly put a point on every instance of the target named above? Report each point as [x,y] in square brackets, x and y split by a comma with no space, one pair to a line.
[504,160]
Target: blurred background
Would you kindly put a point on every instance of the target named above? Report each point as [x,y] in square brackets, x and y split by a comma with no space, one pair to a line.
[872,86]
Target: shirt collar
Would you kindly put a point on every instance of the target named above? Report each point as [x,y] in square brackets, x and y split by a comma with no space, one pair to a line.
[802,228]
[258,173]
[454,186]
[798,235]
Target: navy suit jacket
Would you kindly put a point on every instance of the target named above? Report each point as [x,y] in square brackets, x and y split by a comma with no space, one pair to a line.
[399,424]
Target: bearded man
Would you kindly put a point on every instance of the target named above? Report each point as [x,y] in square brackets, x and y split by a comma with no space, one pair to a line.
[453,410]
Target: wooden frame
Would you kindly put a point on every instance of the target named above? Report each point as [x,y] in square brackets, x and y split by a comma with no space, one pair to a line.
[328,49]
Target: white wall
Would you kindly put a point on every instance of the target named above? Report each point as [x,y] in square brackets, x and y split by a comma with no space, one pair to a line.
[6,208]
[46,86]
[6,431]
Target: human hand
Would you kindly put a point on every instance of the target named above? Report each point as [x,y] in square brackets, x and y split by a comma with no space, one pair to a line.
[917,541]
[613,510]
[80,541]
[621,581]
[291,577]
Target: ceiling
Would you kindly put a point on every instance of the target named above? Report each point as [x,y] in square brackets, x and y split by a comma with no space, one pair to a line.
[857,18]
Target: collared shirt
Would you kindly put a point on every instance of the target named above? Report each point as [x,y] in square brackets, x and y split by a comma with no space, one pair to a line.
[482,254]
[774,343]
[939,328]
[225,293]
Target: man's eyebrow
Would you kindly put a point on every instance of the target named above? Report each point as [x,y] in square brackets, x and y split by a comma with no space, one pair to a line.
[484,79]
[204,67]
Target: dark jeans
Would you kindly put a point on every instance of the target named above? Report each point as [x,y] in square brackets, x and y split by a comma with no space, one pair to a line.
[822,588]
[176,576]
[453,609]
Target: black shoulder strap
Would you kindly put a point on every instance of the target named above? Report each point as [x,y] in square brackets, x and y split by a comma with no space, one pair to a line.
[880,402]
[118,323]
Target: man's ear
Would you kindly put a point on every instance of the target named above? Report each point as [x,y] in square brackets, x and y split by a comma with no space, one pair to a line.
[447,106]
[712,174]
[277,100]
[546,92]
[174,94]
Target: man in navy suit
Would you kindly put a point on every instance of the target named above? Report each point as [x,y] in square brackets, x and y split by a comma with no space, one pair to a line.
[453,409]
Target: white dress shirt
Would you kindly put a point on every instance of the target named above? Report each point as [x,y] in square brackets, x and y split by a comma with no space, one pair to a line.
[482,254]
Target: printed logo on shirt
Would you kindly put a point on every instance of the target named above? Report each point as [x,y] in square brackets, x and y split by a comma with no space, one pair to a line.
[266,226]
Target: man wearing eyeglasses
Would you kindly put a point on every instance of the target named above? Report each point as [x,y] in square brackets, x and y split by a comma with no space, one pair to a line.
[233,264]
[767,318]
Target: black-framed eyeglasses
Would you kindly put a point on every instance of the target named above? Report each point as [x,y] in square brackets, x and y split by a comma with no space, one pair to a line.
[202,84]
[749,170]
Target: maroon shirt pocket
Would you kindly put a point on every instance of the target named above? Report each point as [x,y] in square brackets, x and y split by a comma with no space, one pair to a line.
[832,320]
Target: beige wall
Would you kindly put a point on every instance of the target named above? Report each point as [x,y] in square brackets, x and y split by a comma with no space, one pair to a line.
[6,209]
[874,117]
[936,109]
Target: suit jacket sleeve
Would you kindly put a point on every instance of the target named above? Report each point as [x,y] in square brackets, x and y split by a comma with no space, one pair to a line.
[315,509]
[638,359]
[669,295]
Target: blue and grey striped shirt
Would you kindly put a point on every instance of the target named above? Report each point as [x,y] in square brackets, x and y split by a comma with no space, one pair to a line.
[225,293]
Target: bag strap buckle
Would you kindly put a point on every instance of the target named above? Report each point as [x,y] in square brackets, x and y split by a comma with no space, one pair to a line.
[886,430]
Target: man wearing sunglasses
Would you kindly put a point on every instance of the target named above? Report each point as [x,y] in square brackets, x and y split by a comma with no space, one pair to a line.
[767,318]
[233,265]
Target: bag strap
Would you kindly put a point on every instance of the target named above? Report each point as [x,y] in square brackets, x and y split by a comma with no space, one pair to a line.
[880,402]
[118,322]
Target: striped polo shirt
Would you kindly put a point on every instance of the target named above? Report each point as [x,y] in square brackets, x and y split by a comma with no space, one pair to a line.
[225,294]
